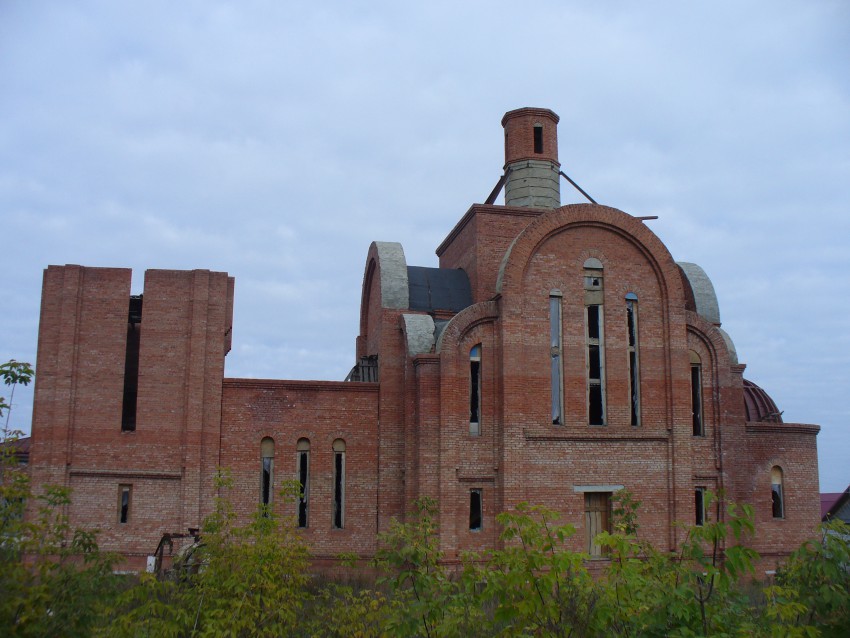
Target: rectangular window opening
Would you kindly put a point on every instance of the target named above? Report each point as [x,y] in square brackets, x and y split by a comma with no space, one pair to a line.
[633,382]
[538,139]
[339,490]
[634,373]
[475,510]
[474,396]
[303,474]
[124,501]
[555,359]
[266,484]
[595,367]
[696,400]
[597,519]
[699,506]
[131,365]
[593,322]
[777,505]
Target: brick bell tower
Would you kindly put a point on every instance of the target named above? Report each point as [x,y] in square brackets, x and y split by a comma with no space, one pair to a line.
[531,158]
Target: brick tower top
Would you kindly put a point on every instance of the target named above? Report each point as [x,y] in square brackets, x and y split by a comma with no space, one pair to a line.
[531,158]
[531,133]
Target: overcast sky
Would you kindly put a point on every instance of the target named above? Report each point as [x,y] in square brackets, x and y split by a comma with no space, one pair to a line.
[275,140]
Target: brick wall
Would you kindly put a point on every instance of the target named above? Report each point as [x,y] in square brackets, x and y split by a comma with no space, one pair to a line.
[408,435]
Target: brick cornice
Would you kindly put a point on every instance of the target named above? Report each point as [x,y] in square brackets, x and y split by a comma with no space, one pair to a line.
[141,474]
[753,427]
[602,437]
[326,386]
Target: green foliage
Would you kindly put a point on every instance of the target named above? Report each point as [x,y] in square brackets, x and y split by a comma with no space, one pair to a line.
[252,582]
[16,372]
[538,586]
[813,588]
[13,373]
[344,611]
[431,598]
[54,579]
[533,586]
[252,578]
[694,592]
[625,511]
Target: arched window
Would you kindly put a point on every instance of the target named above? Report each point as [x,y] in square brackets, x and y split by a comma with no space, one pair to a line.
[696,394]
[339,484]
[634,362]
[475,390]
[266,476]
[594,341]
[777,492]
[302,459]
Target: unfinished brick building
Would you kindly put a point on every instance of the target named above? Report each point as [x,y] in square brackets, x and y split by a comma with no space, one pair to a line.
[557,354]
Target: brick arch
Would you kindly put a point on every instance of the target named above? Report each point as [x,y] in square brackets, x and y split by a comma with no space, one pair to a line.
[712,339]
[719,366]
[365,295]
[464,321]
[519,254]
[385,275]
[577,217]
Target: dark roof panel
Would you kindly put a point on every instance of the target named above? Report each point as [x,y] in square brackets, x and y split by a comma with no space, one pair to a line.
[438,289]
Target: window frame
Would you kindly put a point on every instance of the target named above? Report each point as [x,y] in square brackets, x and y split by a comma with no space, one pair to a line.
[595,358]
[777,492]
[633,354]
[556,357]
[476,513]
[302,506]
[125,509]
[594,342]
[267,471]
[697,402]
[605,514]
[475,384]
[700,511]
[338,495]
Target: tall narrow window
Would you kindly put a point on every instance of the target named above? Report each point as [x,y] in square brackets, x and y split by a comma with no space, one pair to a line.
[555,356]
[267,470]
[475,510]
[125,493]
[538,138]
[475,391]
[634,363]
[131,365]
[696,395]
[339,484]
[595,395]
[777,492]
[699,506]
[303,469]
[597,519]
[595,341]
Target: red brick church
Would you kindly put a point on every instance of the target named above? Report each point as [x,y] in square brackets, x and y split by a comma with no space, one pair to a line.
[557,354]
